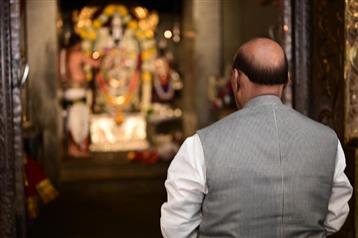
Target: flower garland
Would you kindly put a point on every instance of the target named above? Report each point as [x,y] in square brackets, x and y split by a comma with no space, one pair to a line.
[88,29]
[163,95]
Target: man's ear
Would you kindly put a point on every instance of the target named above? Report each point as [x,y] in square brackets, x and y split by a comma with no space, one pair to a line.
[238,79]
[235,80]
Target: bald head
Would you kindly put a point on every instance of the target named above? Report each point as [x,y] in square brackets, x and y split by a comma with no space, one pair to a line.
[263,61]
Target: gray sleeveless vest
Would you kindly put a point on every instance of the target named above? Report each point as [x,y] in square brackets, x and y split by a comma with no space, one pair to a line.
[269,173]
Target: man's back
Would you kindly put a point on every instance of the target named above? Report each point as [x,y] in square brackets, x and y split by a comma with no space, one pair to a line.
[269,173]
[264,171]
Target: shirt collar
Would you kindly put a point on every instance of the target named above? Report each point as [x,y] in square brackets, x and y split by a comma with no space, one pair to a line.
[263,100]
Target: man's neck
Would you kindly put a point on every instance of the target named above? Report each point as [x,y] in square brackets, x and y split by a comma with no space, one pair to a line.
[255,95]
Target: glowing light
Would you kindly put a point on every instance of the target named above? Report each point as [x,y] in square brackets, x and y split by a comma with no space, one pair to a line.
[114,83]
[168,34]
[140,12]
[120,100]
[80,24]
[177,112]
[285,28]
[95,55]
[153,19]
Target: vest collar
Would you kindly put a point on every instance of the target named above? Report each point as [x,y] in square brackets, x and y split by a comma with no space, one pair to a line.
[263,100]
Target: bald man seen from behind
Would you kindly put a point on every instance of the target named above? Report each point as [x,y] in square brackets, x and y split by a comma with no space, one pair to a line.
[263,171]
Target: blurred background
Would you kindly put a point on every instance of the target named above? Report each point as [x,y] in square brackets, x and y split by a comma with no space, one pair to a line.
[97,96]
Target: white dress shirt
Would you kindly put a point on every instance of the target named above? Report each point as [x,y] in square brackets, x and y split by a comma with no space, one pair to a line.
[186,187]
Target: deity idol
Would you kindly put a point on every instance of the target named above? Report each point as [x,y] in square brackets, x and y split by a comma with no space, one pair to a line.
[104,40]
[118,77]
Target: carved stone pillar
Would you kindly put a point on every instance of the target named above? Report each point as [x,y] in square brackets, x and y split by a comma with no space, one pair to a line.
[207,52]
[318,60]
[328,85]
[351,97]
[10,123]
[328,64]
[325,81]
[351,71]
[287,45]
[301,55]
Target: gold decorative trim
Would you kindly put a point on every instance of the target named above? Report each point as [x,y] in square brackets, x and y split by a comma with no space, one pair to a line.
[46,191]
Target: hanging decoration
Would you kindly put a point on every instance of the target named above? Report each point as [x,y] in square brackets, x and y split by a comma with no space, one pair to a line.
[38,187]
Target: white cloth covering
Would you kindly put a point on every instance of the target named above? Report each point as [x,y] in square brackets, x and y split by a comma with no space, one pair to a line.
[78,122]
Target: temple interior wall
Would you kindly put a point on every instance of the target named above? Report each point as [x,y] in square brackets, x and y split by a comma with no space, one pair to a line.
[44,108]
[243,20]
[219,28]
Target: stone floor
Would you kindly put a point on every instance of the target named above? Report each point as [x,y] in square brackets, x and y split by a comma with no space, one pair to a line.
[105,197]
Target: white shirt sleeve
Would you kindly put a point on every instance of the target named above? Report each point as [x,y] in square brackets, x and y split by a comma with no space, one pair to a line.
[338,208]
[186,187]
